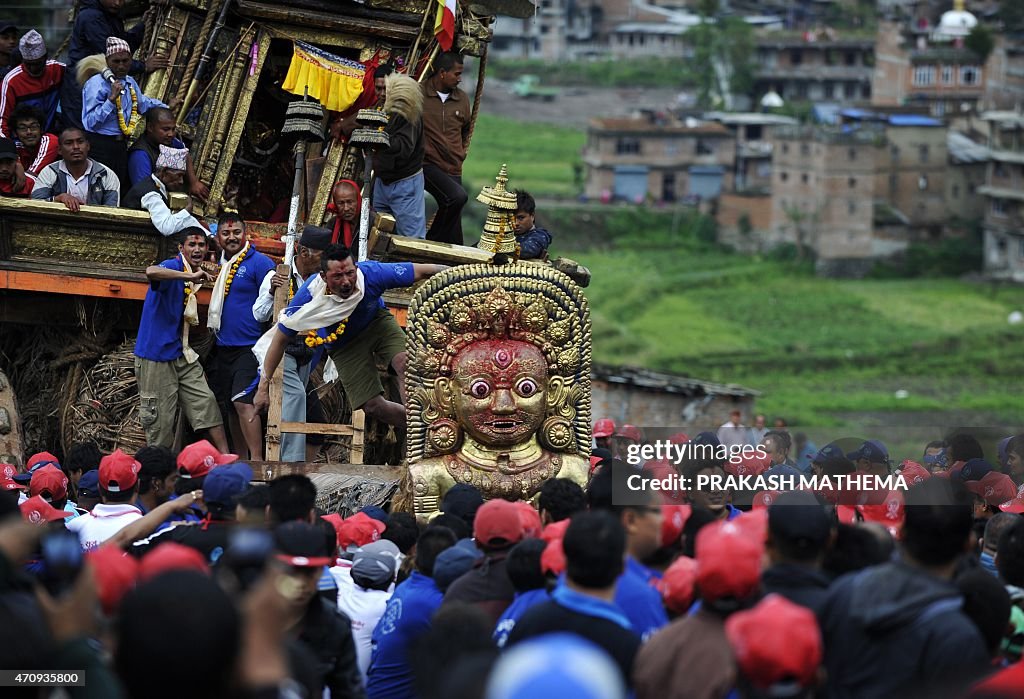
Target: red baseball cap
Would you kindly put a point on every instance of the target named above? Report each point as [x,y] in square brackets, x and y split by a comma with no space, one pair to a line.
[199,458]
[497,523]
[994,487]
[356,531]
[752,465]
[37,511]
[10,484]
[119,472]
[41,459]
[774,642]
[914,472]
[605,427]
[764,499]
[679,438]
[677,585]
[49,480]
[755,524]
[7,471]
[1015,506]
[728,561]
[552,560]
[888,513]
[171,556]
[631,432]
[530,519]
[673,519]
[116,574]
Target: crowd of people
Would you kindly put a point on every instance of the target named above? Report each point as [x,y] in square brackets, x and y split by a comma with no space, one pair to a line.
[603,591]
[69,134]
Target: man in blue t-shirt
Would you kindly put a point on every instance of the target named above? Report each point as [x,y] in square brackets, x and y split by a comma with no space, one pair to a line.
[230,318]
[369,332]
[167,371]
[161,130]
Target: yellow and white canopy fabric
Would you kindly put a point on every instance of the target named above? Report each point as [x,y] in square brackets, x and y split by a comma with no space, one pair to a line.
[335,81]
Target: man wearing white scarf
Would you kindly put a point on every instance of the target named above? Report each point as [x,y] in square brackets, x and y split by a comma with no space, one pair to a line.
[167,370]
[342,309]
[230,318]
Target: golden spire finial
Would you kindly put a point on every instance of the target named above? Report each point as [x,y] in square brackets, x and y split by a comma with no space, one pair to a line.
[499,235]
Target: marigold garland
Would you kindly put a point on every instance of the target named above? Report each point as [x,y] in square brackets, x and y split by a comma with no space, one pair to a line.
[314,340]
[231,272]
[129,128]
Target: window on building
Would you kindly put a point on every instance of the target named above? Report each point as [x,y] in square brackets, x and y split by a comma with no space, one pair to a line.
[627,146]
[755,132]
[852,182]
[922,153]
[544,29]
[803,178]
[851,58]
[851,153]
[922,182]
[704,147]
[938,109]
[783,176]
[785,147]
[956,191]
[894,182]
[998,207]
[850,90]
[851,207]
[668,186]
[805,149]
[970,75]
[830,89]
[946,75]
[999,171]
[894,151]
[796,57]
[924,76]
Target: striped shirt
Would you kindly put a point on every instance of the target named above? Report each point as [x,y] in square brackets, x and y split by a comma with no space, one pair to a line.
[18,87]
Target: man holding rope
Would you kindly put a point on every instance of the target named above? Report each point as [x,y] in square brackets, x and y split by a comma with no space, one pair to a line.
[341,308]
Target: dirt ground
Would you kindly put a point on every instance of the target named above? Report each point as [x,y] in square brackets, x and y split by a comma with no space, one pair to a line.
[575,105]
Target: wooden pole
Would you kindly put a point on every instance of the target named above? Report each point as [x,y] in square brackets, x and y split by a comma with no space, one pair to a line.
[272,451]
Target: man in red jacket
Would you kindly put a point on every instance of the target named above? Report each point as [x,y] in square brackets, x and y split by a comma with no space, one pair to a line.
[36,82]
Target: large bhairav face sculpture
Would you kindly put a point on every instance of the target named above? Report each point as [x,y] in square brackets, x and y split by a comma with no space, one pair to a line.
[498,382]
[499,390]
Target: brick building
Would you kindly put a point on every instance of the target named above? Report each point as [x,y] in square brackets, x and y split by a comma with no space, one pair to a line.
[940,77]
[671,402]
[822,195]
[1004,196]
[659,159]
[812,66]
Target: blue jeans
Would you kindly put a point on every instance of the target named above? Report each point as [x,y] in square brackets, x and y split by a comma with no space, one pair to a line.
[403,200]
[293,408]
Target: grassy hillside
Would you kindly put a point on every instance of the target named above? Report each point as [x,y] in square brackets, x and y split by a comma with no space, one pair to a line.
[539,157]
[827,355]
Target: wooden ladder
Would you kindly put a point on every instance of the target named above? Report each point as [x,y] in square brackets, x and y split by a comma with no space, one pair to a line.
[276,427]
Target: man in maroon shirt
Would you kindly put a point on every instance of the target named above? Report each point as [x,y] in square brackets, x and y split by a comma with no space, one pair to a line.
[13,184]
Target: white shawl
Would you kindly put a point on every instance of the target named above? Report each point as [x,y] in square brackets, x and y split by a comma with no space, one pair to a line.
[191,316]
[216,309]
[324,310]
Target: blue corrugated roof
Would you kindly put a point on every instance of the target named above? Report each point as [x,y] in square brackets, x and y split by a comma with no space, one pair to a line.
[913,120]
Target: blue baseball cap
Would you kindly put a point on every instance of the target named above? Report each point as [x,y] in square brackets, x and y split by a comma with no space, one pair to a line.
[224,483]
[828,452]
[555,666]
[872,450]
[376,513]
[89,484]
[975,470]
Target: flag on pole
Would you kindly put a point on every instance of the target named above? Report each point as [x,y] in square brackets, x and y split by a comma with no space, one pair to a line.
[444,24]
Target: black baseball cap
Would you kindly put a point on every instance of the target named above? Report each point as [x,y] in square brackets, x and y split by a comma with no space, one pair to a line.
[8,151]
[7,25]
[798,517]
[301,545]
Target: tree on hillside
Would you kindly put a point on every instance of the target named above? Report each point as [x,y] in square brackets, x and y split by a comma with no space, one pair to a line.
[723,57]
[981,42]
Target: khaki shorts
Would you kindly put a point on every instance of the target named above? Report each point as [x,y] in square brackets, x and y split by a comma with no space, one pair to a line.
[357,360]
[166,386]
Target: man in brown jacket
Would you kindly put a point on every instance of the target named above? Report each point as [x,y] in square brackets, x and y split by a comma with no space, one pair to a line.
[446,114]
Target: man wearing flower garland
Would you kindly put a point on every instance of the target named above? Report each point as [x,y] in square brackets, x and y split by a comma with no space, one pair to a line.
[299,359]
[344,302]
[167,370]
[230,318]
[110,113]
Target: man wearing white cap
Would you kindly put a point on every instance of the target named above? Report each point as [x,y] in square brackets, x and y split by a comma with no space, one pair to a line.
[35,82]
[151,194]
[111,111]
